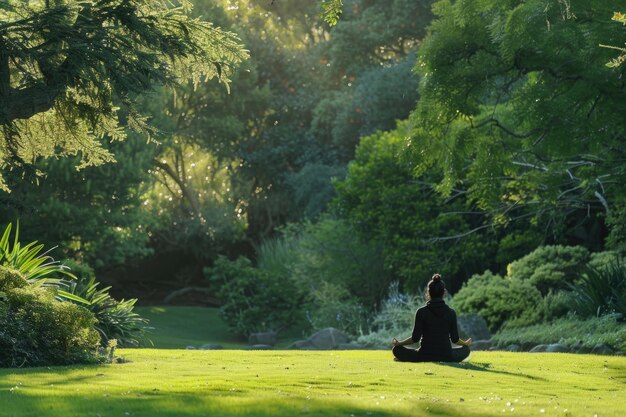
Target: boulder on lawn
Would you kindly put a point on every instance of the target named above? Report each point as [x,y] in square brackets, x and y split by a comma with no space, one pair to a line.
[513,348]
[539,348]
[473,326]
[301,345]
[602,349]
[190,348]
[263,338]
[260,347]
[557,348]
[211,346]
[327,339]
[481,345]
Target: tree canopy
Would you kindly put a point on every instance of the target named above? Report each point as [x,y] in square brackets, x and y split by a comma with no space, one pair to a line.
[514,111]
[70,70]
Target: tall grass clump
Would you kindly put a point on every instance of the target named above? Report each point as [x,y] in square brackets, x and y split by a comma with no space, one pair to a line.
[601,290]
[116,320]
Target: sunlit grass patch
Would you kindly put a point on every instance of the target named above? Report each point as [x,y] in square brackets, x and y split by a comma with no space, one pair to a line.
[331,383]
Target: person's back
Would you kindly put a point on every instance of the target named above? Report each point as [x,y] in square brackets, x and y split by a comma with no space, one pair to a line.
[435,327]
[438,327]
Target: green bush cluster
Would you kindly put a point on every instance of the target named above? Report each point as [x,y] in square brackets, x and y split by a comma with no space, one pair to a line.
[36,329]
[550,267]
[571,331]
[545,285]
[332,305]
[254,300]
[498,300]
[115,320]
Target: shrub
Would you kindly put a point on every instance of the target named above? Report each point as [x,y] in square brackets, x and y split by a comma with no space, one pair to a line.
[332,305]
[599,260]
[115,319]
[601,290]
[254,300]
[37,330]
[571,331]
[39,270]
[498,300]
[394,319]
[549,267]
[554,305]
[331,251]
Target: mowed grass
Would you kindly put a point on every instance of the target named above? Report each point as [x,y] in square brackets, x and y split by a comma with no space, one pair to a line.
[236,383]
[179,327]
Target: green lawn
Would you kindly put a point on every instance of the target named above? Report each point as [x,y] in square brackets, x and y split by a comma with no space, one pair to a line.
[235,383]
[179,327]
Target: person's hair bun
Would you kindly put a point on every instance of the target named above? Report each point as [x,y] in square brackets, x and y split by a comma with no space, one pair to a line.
[436,278]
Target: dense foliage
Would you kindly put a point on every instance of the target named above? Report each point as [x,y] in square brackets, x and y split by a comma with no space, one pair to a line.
[359,143]
[574,332]
[115,320]
[36,329]
[550,267]
[70,70]
[253,300]
[498,300]
[512,112]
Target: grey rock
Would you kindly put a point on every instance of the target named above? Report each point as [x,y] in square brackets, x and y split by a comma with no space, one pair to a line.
[190,348]
[557,348]
[481,345]
[301,345]
[260,347]
[602,349]
[473,326]
[211,346]
[539,348]
[329,338]
[513,348]
[325,339]
[264,338]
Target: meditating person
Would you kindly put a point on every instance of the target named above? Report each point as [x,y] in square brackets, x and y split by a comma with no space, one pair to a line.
[435,327]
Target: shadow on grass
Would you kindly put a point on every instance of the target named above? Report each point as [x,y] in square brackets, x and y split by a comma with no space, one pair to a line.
[486,367]
[188,404]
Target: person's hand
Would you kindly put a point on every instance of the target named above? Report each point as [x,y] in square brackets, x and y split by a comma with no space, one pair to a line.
[395,342]
[467,342]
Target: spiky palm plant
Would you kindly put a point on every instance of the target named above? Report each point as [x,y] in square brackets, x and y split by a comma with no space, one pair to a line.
[39,269]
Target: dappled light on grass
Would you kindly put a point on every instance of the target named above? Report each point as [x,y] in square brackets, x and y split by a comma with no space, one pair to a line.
[332,383]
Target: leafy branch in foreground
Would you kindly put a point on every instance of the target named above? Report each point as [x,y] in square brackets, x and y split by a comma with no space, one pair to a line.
[616,62]
[70,71]
[331,11]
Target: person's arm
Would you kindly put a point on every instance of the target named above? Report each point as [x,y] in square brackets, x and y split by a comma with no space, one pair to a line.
[454,333]
[405,342]
[462,342]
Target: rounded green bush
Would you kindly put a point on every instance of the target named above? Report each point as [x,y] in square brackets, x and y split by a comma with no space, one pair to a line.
[550,267]
[38,330]
[252,299]
[11,278]
[498,300]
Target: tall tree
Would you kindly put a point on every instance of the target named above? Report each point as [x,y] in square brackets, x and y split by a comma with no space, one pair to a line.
[513,110]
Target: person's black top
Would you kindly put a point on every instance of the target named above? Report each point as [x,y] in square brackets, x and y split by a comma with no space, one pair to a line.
[435,327]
